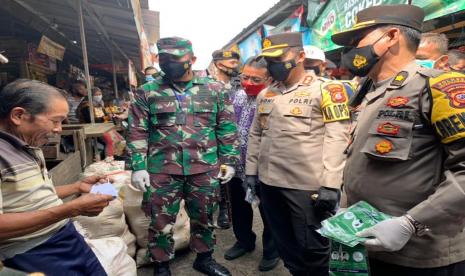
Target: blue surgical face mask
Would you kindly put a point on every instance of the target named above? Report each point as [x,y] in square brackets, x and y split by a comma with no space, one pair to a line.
[149,78]
[428,63]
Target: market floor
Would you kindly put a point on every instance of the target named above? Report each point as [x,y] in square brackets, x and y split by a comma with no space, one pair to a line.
[247,265]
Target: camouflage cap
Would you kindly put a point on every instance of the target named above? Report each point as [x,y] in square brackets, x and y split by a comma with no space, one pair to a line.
[176,46]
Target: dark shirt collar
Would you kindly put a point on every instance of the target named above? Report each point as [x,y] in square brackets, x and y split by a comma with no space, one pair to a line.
[12,139]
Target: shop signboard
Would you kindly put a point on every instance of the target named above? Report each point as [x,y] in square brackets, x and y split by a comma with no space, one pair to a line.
[51,48]
[339,15]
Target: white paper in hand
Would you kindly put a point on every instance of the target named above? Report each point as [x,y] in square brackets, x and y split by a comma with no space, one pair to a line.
[104,189]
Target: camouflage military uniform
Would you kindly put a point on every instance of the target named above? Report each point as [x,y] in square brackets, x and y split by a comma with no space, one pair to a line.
[181,135]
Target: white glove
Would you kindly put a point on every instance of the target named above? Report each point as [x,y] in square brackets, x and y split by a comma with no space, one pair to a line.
[230,172]
[389,235]
[140,179]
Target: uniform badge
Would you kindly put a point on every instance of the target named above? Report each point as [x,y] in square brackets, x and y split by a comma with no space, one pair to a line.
[261,109]
[296,111]
[383,147]
[270,94]
[307,80]
[388,128]
[302,94]
[454,89]
[267,43]
[400,78]
[288,65]
[359,61]
[337,93]
[397,102]
[227,54]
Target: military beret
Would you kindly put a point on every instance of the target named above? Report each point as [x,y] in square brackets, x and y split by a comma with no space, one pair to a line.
[176,46]
[276,45]
[225,54]
[405,15]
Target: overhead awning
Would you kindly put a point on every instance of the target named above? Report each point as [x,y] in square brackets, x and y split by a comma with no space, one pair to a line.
[109,24]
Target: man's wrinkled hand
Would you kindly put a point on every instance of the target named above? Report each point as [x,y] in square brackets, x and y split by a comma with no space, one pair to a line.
[85,184]
[89,204]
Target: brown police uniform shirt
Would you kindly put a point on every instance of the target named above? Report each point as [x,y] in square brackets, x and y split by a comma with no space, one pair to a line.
[299,134]
[407,155]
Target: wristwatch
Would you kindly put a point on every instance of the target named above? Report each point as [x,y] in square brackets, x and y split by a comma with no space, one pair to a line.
[420,229]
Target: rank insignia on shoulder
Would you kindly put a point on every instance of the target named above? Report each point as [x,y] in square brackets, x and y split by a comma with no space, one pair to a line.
[384,146]
[270,94]
[296,111]
[388,128]
[397,102]
[307,80]
[400,78]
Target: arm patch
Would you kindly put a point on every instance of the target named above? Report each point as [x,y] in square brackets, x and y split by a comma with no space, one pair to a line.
[334,102]
[448,106]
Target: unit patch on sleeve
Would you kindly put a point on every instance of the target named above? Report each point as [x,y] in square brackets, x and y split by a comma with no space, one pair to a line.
[334,102]
[448,111]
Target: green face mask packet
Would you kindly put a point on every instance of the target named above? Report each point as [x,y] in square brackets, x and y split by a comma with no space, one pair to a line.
[343,226]
[348,261]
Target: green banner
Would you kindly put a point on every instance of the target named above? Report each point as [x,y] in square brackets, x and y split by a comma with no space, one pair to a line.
[339,15]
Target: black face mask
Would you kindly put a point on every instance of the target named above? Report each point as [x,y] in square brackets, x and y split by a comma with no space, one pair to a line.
[360,61]
[316,69]
[175,70]
[229,71]
[280,70]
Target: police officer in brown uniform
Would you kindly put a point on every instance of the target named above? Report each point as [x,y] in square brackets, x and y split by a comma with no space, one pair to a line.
[295,150]
[406,154]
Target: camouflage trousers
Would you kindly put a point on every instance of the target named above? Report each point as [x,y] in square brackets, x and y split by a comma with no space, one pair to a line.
[162,201]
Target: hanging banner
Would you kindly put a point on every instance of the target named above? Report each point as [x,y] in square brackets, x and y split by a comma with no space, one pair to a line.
[267,30]
[51,48]
[437,8]
[145,54]
[306,36]
[291,24]
[313,10]
[339,15]
[251,46]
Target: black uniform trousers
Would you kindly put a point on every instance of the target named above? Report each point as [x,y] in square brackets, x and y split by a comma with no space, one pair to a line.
[379,268]
[293,222]
[242,220]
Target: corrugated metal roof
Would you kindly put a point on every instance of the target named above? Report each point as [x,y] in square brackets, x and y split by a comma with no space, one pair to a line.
[58,19]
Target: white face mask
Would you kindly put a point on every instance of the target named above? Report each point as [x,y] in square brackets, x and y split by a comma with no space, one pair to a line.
[97,98]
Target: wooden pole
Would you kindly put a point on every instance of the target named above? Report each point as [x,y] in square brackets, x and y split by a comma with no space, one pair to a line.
[85,60]
[115,84]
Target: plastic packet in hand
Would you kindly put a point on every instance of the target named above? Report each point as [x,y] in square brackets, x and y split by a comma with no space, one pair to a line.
[104,189]
[252,198]
[348,261]
[344,226]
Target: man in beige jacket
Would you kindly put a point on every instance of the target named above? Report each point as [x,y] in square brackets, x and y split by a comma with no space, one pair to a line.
[295,150]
